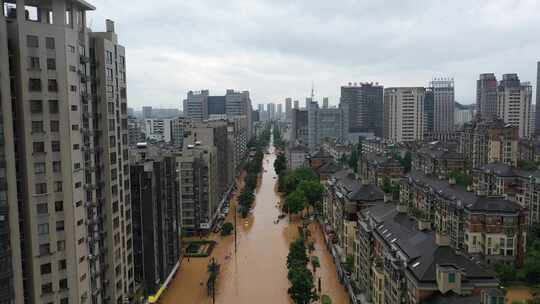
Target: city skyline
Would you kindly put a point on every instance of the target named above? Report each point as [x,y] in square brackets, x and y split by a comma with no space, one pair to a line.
[251,51]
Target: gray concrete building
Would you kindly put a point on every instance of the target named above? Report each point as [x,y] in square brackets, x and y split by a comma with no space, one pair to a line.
[70,232]
[288,108]
[403,114]
[177,131]
[537,118]
[514,103]
[195,106]
[364,104]
[486,95]
[299,127]
[197,176]
[443,105]
[147,112]
[325,123]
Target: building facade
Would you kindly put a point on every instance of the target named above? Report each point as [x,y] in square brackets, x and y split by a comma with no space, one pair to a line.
[326,123]
[443,105]
[404,114]
[364,105]
[514,103]
[486,96]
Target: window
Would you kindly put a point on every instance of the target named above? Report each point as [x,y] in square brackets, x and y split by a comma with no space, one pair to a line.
[71,48]
[37,126]
[74,127]
[46,288]
[60,226]
[78,185]
[57,186]
[34,84]
[53,85]
[32,41]
[62,265]
[72,68]
[64,301]
[49,43]
[45,268]
[42,208]
[55,146]
[33,63]
[39,168]
[451,278]
[43,229]
[53,107]
[112,141]
[55,125]
[38,147]
[59,206]
[44,249]
[74,108]
[41,188]
[73,88]
[57,166]
[51,64]
[109,57]
[36,106]
[75,146]
[61,245]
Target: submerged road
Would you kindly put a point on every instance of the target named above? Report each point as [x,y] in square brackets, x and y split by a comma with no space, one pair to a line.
[257,273]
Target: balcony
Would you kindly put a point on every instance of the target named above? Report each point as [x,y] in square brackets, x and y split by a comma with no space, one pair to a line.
[84,59]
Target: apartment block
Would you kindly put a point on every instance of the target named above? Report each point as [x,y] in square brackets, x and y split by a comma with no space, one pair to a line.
[486,96]
[158,129]
[198,182]
[324,124]
[195,106]
[443,105]
[136,131]
[488,141]
[177,131]
[299,127]
[363,105]
[514,103]
[377,168]
[155,215]
[404,114]
[437,159]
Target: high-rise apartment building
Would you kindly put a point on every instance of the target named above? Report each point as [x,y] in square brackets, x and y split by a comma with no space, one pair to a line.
[296,104]
[364,104]
[288,108]
[443,105]
[486,95]
[514,103]
[197,178]
[271,110]
[147,112]
[155,215]
[325,103]
[239,104]
[429,113]
[299,127]
[136,133]
[279,111]
[537,119]
[404,114]
[69,211]
[177,131]
[158,129]
[195,106]
[323,124]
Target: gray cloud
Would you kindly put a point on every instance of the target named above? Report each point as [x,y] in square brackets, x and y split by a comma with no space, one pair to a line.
[276,48]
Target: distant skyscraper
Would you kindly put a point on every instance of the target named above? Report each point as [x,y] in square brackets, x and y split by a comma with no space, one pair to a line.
[216,105]
[296,104]
[403,113]
[443,105]
[288,108]
[429,112]
[537,113]
[325,103]
[299,127]
[271,109]
[279,111]
[196,105]
[514,103]
[364,105]
[323,124]
[147,112]
[486,95]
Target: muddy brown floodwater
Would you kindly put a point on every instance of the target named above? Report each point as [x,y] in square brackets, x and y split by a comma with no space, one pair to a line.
[257,272]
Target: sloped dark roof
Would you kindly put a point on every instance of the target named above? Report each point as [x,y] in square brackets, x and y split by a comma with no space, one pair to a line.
[451,298]
[443,187]
[491,204]
[328,168]
[500,169]
[320,154]
[368,193]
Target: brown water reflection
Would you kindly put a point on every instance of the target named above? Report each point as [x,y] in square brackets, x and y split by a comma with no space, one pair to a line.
[257,272]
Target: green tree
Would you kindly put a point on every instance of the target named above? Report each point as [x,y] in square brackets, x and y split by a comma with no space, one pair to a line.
[313,191]
[302,290]
[227,228]
[280,164]
[353,159]
[295,202]
[349,264]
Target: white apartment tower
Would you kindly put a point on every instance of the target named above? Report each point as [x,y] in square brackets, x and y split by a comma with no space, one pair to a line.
[514,103]
[64,112]
[404,113]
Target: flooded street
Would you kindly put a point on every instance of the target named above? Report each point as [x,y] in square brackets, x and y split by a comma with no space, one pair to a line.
[257,273]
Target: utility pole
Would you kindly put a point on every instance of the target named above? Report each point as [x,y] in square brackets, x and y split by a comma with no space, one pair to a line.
[235,226]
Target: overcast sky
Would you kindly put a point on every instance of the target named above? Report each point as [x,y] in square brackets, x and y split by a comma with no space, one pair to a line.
[276,48]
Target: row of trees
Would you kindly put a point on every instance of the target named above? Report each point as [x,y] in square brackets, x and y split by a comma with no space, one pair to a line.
[302,290]
[253,168]
[301,188]
[279,142]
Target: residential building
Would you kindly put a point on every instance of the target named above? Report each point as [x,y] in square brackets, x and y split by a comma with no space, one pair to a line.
[288,108]
[429,113]
[239,104]
[299,127]
[364,105]
[198,180]
[165,113]
[147,112]
[401,262]
[271,110]
[177,131]
[438,160]
[514,103]
[155,215]
[136,131]
[279,111]
[296,105]
[158,129]
[195,106]
[216,105]
[532,121]
[71,157]
[296,156]
[463,114]
[486,96]
[324,124]
[537,111]
[487,141]
[376,168]
[237,142]
[325,103]
[443,105]
[403,114]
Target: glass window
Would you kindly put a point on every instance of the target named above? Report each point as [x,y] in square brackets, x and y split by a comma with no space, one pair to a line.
[43,229]
[59,225]
[39,168]
[46,288]
[42,208]
[59,206]
[44,249]
[36,106]
[55,125]
[45,268]
[52,85]
[61,245]
[62,265]
[55,146]
[57,186]
[37,126]
[53,107]
[38,147]
[41,188]
[51,64]
[57,166]
[33,63]
[34,85]
[451,278]
[49,43]
[32,41]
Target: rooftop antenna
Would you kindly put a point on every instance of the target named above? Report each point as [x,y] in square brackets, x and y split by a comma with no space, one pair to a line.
[312,91]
